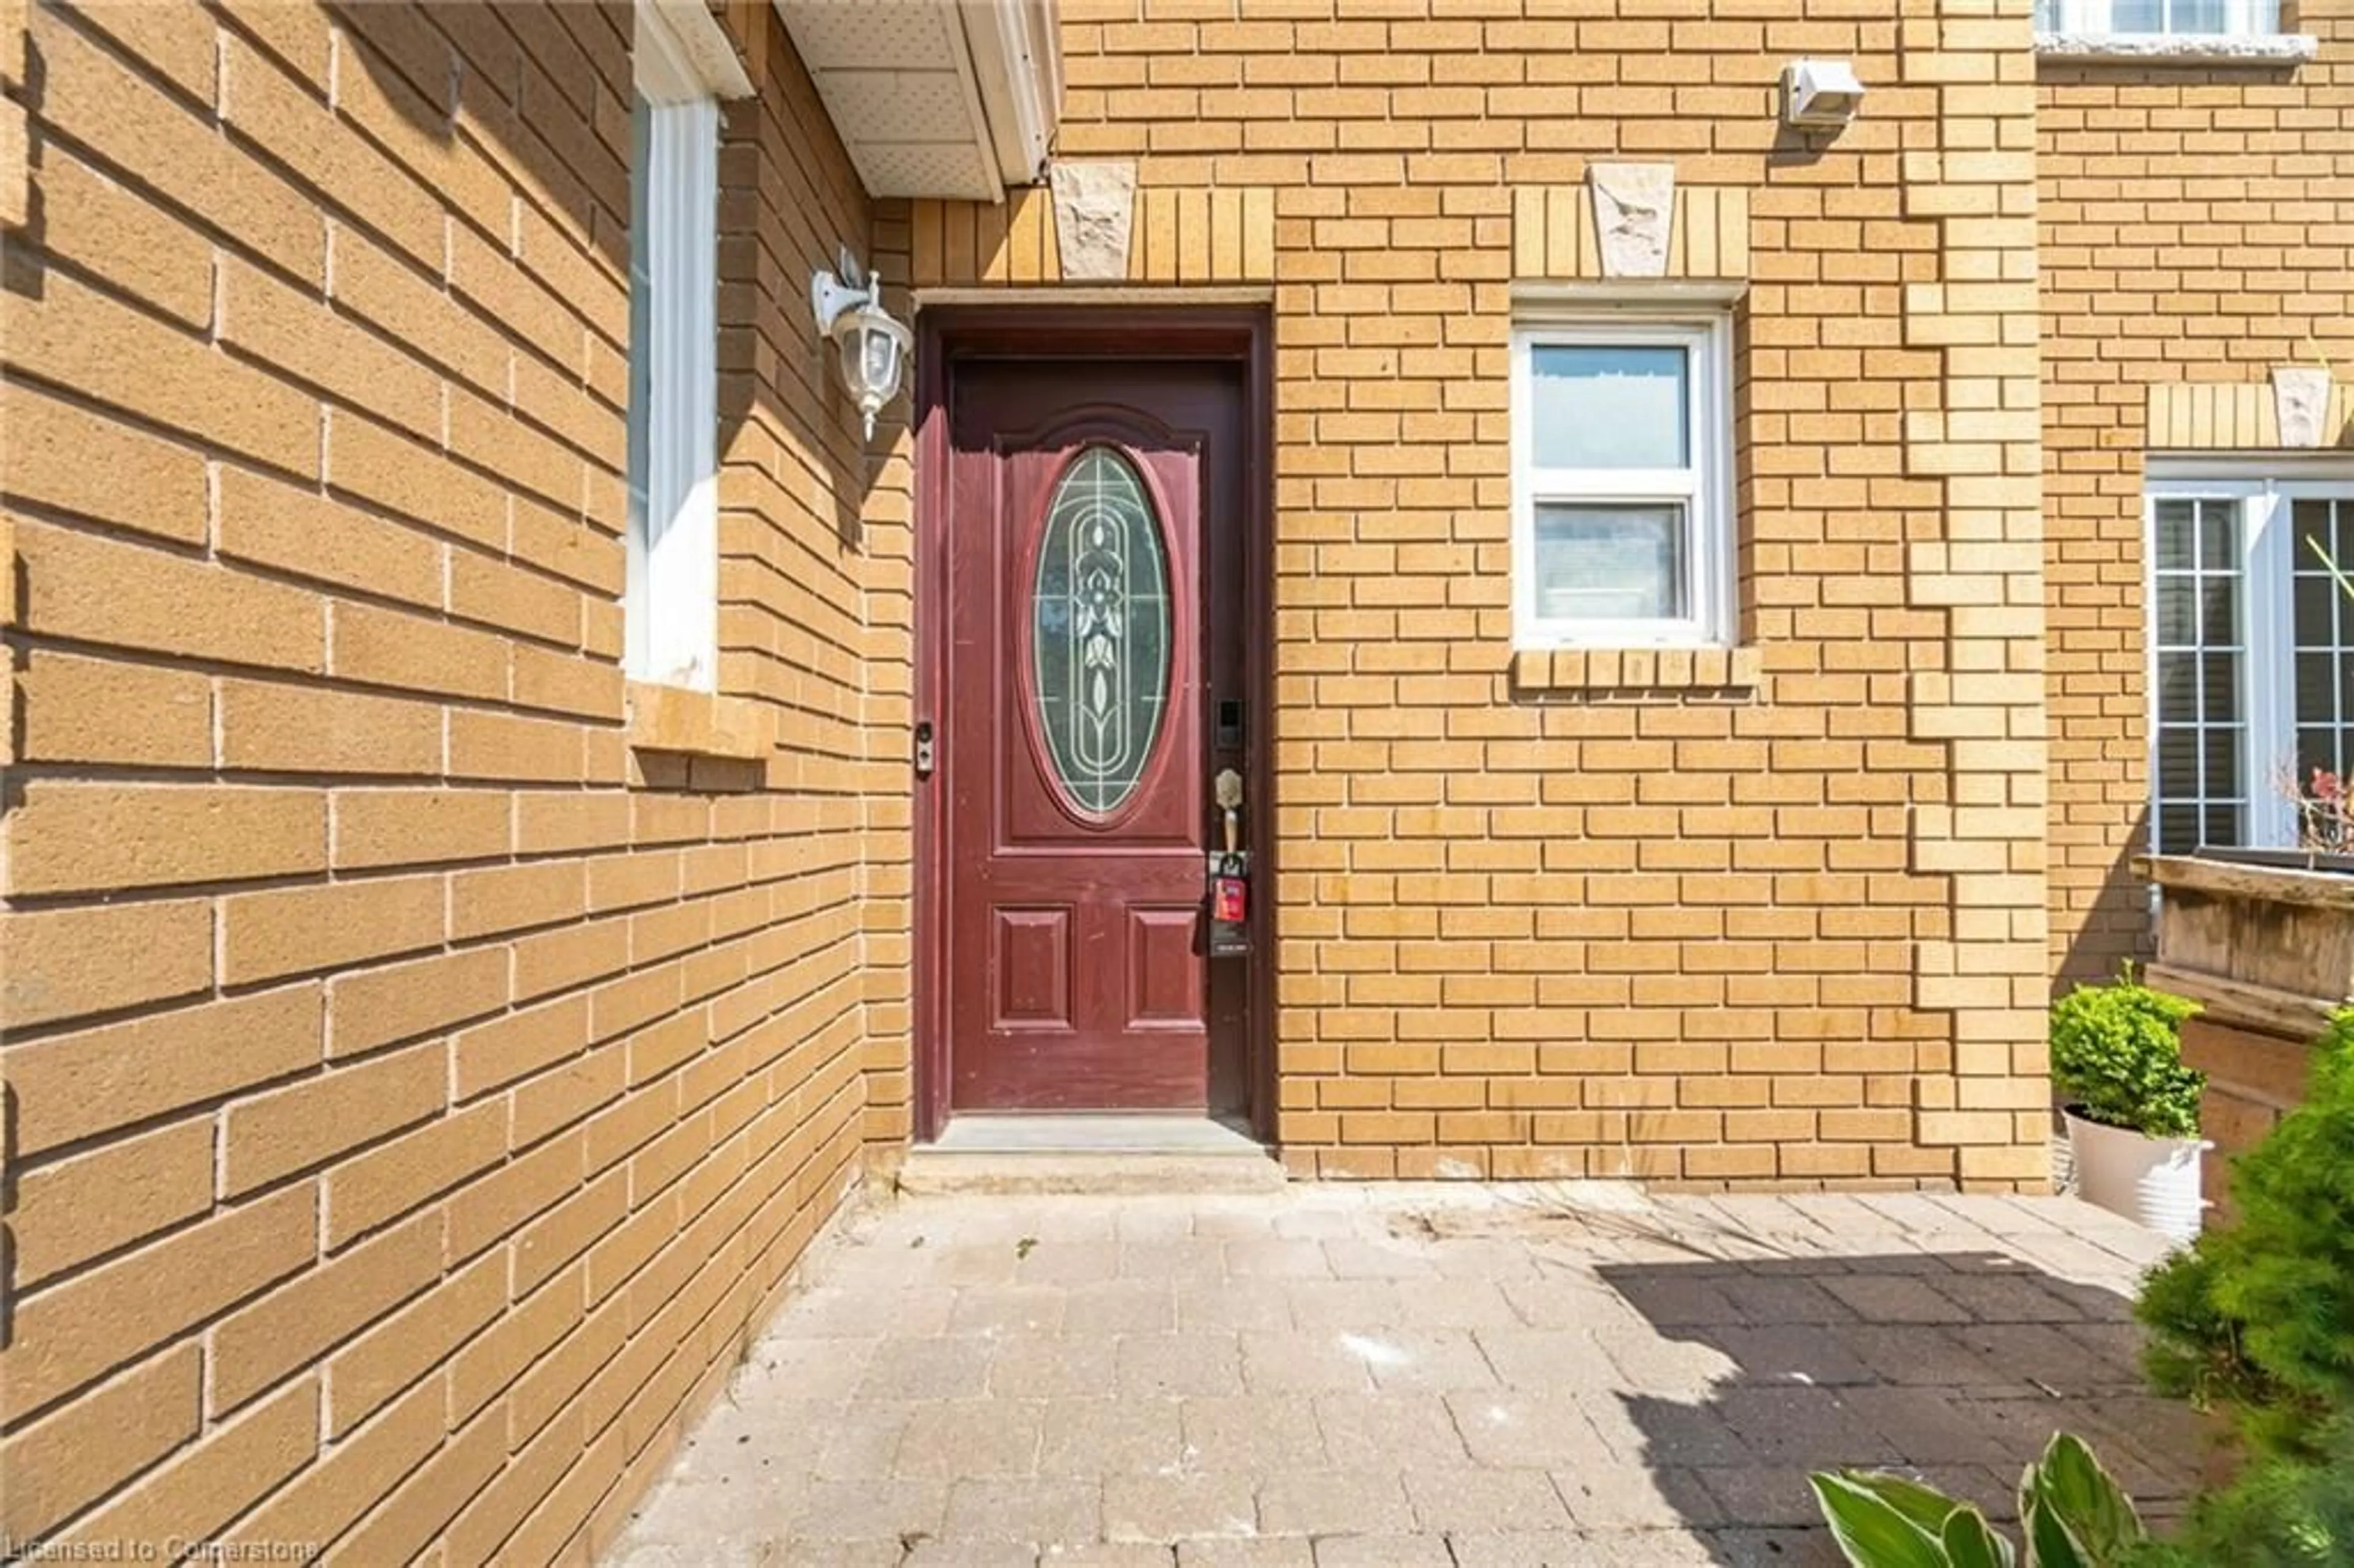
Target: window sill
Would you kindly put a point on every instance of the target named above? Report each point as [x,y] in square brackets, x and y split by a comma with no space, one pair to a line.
[696,724]
[1638,669]
[2178,48]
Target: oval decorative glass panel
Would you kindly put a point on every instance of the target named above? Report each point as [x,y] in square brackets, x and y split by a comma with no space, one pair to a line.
[1099,630]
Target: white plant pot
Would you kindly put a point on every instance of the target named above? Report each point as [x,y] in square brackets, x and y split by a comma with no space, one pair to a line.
[2153,1182]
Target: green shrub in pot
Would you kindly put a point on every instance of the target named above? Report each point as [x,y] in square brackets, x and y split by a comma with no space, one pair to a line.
[2116,1057]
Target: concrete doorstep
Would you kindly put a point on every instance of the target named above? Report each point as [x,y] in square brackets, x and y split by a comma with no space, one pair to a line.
[1101,1155]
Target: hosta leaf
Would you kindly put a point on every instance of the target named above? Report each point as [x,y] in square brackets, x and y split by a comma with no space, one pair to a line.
[1925,1507]
[1871,1531]
[2050,1543]
[2088,1499]
[1971,1542]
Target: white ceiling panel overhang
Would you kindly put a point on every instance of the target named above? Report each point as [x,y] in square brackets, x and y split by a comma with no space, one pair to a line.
[936,98]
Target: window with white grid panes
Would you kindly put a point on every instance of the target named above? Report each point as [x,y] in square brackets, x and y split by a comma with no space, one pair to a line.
[2201,724]
[1622,499]
[2251,641]
[2194,18]
[2322,532]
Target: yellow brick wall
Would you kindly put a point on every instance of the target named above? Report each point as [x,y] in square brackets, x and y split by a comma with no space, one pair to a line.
[2196,229]
[479,1073]
[1789,930]
[416,1092]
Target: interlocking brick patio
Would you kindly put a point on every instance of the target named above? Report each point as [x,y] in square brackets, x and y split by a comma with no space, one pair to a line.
[1476,1377]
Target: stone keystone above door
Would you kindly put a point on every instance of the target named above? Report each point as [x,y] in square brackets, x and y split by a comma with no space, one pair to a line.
[1093,203]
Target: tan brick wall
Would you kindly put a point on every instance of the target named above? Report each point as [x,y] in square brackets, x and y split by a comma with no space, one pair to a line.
[415,1092]
[478,1074]
[2196,229]
[1791,931]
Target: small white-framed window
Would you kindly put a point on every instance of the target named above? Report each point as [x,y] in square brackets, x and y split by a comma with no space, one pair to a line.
[2250,645]
[1622,500]
[670,606]
[2191,19]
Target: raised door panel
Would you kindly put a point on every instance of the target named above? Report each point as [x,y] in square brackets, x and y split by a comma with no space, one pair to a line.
[1164,984]
[1032,957]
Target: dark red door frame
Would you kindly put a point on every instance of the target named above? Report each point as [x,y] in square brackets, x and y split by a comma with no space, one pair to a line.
[945,335]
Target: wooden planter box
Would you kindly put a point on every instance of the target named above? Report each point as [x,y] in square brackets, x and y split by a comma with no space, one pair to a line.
[2265,946]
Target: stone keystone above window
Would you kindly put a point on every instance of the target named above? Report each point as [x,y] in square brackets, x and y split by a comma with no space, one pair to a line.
[1634,211]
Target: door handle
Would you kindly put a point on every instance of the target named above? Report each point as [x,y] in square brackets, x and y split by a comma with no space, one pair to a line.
[1230,802]
[1229,875]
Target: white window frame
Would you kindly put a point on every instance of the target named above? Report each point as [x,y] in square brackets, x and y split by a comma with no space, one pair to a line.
[2261,489]
[2242,20]
[671,602]
[1704,486]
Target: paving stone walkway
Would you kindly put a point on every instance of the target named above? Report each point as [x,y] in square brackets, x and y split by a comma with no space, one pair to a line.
[1464,1377]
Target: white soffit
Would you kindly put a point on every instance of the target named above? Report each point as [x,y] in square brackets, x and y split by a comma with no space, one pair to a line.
[935,98]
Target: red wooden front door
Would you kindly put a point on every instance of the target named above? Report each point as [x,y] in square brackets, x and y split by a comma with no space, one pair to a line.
[1093,687]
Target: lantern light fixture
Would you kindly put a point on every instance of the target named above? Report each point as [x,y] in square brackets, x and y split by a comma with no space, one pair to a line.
[873,344]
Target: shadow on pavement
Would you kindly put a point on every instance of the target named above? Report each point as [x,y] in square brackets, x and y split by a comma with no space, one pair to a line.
[1956,1368]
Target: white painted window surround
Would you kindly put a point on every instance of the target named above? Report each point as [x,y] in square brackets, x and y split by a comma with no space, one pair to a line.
[2250,645]
[2182,32]
[670,605]
[1622,502]
[2213,18]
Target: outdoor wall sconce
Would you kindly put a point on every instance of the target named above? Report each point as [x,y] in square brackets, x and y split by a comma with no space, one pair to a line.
[873,344]
[1820,95]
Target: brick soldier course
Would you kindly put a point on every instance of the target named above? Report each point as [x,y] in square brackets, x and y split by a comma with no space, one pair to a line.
[429,1051]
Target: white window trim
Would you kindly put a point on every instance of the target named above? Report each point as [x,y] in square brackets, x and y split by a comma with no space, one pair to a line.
[2268,684]
[2094,18]
[1705,487]
[699,58]
[671,602]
